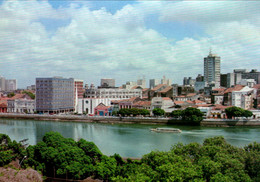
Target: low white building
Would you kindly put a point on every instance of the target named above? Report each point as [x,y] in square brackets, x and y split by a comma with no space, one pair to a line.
[87,105]
[22,105]
[243,98]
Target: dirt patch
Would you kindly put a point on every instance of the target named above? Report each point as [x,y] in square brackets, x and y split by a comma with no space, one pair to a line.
[16,175]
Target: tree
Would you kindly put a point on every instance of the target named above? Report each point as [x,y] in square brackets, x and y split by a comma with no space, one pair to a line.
[10,94]
[237,112]
[30,94]
[176,113]
[158,112]
[144,112]
[247,113]
[192,116]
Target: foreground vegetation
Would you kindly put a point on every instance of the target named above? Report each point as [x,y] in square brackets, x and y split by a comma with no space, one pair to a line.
[214,160]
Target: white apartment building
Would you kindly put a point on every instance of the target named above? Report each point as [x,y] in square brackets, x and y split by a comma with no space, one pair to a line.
[23,105]
[243,98]
[87,105]
[113,93]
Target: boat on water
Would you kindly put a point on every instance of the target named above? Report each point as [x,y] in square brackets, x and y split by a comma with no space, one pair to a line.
[173,130]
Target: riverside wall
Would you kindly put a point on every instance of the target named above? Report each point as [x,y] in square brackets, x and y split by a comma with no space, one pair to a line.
[131,120]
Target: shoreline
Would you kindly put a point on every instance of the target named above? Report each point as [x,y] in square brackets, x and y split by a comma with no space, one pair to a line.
[133,120]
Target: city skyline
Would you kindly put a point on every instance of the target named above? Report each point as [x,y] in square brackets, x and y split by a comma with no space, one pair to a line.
[123,40]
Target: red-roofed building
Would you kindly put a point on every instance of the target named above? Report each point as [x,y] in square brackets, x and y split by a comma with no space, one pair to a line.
[143,105]
[103,110]
[128,103]
[227,100]
[3,106]
[161,90]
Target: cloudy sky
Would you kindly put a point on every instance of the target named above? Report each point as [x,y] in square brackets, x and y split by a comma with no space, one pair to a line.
[125,40]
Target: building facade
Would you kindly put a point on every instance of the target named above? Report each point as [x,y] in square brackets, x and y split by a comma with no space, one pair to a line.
[23,105]
[54,95]
[113,93]
[88,105]
[212,69]
[243,98]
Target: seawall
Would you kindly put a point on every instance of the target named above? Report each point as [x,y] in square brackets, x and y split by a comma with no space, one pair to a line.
[132,120]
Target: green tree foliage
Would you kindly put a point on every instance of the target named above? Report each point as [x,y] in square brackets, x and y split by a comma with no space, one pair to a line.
[158,112]
[247,113]
[30,94]
[214,160]
[10,94]
[176,113]
[237,112]
[133,112]
[9,150]
[192,115]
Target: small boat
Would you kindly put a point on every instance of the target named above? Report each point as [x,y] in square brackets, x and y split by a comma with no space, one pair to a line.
[173,130]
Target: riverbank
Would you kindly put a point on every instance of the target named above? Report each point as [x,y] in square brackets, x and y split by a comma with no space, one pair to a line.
[131,120]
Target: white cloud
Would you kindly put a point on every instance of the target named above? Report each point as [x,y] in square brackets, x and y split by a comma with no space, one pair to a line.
[98,44]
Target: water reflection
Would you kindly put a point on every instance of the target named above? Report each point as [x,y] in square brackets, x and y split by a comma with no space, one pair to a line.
[124,139]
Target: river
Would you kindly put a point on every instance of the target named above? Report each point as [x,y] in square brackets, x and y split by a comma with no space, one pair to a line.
[128,140]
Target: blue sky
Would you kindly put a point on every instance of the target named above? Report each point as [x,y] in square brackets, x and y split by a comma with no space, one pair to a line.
[125,40]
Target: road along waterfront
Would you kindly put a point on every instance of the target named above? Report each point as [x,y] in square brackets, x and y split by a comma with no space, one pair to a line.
[127,140]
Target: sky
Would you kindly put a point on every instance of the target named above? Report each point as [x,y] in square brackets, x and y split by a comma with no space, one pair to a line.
[125,40]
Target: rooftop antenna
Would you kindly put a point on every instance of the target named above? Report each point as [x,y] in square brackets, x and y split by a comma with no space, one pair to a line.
[210,51]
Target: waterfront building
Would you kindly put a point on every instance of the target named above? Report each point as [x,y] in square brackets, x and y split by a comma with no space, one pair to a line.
[103,110]
[54,95]
[88,105]
[3,106]
[212,69]
[78,92]
[24,105]
[128,103]
[20,103]
[143,105]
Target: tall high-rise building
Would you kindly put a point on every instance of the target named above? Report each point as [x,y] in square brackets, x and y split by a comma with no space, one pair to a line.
[10,85]
[154,82]
[2,83]
[54,95]
[212,69]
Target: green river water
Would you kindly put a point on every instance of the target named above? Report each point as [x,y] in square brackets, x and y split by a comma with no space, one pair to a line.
[128,140]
